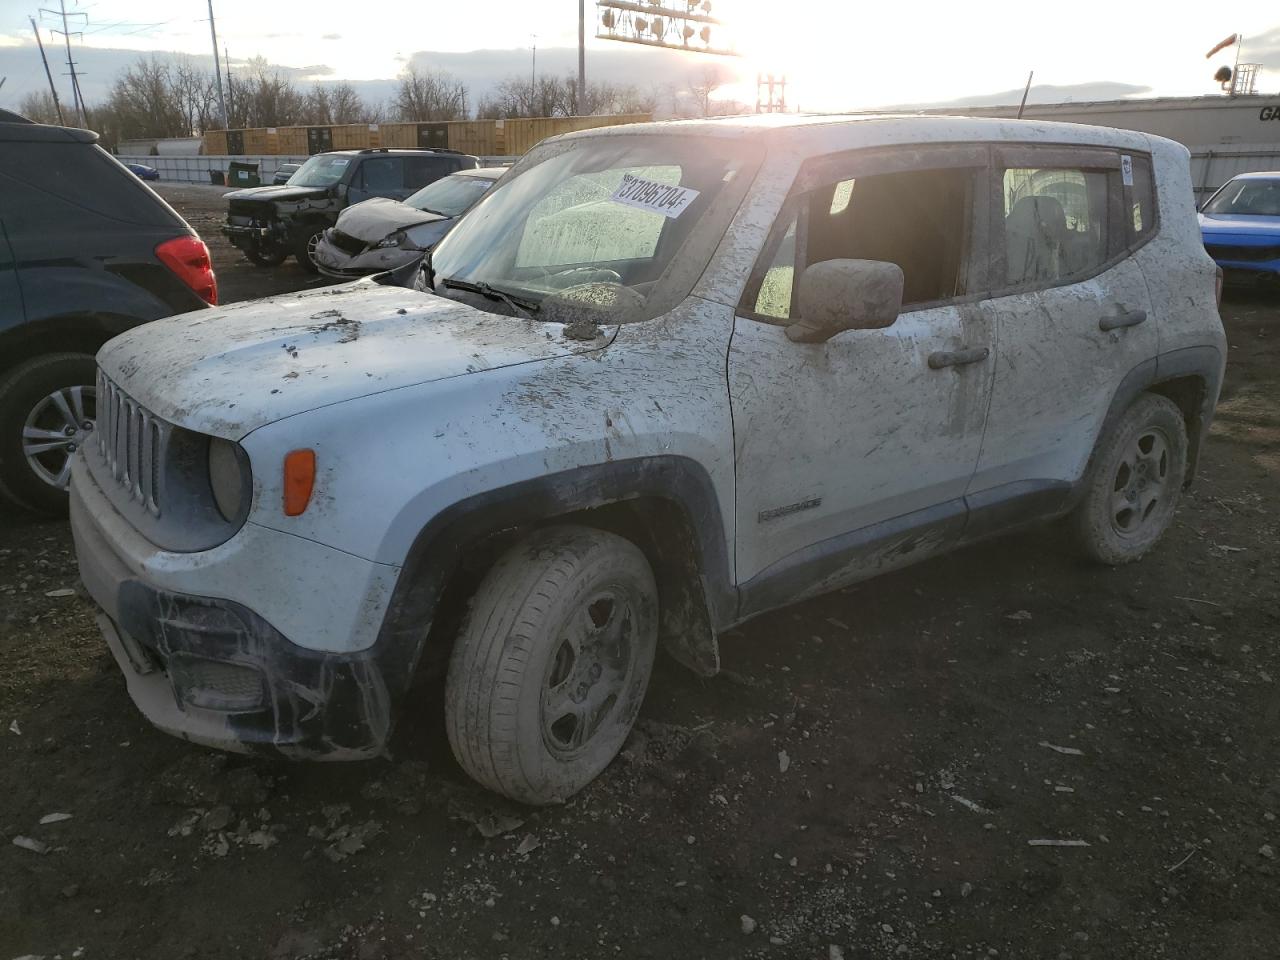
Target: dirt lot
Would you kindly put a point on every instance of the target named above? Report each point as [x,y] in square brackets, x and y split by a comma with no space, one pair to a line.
[868,778]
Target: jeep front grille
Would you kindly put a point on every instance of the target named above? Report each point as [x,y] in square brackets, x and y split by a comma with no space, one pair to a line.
[132,443]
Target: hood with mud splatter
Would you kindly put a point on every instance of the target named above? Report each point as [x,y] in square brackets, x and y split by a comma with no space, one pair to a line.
[230,370]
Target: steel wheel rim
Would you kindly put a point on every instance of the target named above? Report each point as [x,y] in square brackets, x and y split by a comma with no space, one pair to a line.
[1140,484]
[57,426]
[589,671]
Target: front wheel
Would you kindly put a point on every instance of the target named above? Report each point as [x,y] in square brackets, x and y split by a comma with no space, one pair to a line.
[1134,483]
[266,256]
[305,250]
[46,414]
[551,667]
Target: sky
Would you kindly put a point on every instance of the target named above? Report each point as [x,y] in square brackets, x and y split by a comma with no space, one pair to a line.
[837,54]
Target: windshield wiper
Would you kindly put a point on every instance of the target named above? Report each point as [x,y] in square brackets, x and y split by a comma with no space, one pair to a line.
[514,301]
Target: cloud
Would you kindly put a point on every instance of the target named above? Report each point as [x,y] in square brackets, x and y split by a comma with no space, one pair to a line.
[1263,49]
[331,36]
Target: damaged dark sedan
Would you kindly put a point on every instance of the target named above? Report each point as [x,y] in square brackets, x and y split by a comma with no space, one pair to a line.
[382,234]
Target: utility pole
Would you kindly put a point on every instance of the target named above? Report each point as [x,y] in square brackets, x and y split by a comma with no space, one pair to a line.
[533,75]
[71,64]
[47,72]
[231,97]
[582,56]
[217,67]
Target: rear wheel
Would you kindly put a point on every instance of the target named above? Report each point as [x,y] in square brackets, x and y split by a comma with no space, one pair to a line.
[46,414]
[1134,484]
[551,667]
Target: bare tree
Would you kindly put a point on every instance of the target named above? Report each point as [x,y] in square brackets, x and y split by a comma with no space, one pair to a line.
[39,106]
[430,95]
[703,84]
[346,106]
[265,97]
[519,96]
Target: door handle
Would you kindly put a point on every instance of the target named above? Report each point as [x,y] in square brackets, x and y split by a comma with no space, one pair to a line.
[958,358]
[1124,318]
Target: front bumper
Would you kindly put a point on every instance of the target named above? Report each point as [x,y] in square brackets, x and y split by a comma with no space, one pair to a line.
[248,237]
[336,263]
[214,672]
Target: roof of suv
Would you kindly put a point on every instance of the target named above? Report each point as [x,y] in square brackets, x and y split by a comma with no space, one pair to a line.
[835,132]
[395,151]
[15,128]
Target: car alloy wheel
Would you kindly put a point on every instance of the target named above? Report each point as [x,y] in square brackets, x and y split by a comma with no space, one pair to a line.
[1140,482]
[55,429]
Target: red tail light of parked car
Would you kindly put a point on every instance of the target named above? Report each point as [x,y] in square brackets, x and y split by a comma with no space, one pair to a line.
[188,257]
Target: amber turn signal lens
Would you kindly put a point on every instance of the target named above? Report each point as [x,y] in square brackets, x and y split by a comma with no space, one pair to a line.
[299,478]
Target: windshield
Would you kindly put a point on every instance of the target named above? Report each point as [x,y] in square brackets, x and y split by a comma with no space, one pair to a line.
[620,225]
[451,196]
[322,171]
[1259,198]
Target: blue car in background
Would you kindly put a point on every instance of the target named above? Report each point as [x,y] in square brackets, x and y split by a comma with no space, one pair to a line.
[1240,225]
[144,172]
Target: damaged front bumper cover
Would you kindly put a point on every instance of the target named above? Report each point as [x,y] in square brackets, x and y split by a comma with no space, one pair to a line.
[247,236]
[339,265]
[213,672]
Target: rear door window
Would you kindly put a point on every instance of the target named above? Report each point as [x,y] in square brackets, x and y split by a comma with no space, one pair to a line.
[63,183]
[420,171]
[1055,223]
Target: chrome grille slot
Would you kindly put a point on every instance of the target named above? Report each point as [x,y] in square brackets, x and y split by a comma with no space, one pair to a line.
[132,443]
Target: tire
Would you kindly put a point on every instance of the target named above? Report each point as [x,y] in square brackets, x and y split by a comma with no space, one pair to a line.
[32,419]
[535,706]
[304,250]
[1134,483]
[266,257]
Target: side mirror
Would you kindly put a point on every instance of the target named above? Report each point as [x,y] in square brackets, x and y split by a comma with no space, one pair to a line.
[839,295]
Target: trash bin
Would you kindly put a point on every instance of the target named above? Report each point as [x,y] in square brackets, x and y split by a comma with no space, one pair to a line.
[243,174]
[217,178]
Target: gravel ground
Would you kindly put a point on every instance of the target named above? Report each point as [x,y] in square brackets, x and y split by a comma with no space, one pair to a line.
[872,776]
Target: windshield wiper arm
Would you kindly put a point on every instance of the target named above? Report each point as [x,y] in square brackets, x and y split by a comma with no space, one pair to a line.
[515,302]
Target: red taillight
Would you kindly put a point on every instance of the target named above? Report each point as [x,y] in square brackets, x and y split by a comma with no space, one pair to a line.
[188,257]
[1217,286]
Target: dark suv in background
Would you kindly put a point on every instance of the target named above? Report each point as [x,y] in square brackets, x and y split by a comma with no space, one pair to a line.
[86,252]
[270,223]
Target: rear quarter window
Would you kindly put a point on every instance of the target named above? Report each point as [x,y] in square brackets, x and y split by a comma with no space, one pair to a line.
[68,181]
[1140,201]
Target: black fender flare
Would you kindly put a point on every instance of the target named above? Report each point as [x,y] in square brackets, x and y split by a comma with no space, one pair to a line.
[441,544]
[1205,362]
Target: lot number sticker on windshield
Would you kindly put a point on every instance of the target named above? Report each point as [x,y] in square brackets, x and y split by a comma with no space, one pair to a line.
[663,198]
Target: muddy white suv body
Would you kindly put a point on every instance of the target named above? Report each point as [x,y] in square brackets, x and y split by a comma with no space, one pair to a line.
[676,375]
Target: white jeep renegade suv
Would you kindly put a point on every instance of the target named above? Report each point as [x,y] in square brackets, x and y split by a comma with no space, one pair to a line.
[667,377]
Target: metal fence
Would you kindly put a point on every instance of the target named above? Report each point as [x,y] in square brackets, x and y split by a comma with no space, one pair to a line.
[1211,167]
[196,169]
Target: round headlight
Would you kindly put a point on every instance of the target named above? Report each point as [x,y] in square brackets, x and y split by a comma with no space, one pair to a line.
[229,478]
